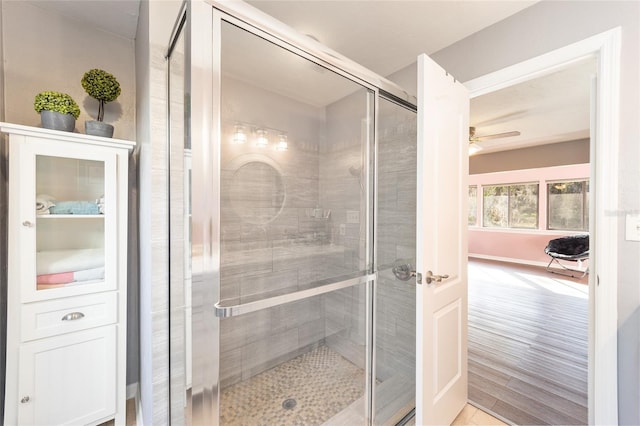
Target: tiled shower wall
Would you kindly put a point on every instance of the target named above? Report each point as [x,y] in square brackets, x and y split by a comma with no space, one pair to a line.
[321,171]
[277,256]
[342,189]
[395,226]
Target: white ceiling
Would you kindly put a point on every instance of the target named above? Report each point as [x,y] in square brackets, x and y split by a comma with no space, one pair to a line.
[387,35]
[384,36]
[552,108]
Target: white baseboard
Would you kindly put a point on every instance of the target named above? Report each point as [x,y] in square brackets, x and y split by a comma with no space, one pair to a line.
[509,259]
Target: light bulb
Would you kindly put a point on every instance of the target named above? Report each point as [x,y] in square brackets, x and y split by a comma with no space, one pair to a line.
[282,144]
[263,140]
[239,136]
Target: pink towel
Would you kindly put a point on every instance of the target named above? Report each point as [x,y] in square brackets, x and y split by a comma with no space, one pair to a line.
[61,278]
[70,277]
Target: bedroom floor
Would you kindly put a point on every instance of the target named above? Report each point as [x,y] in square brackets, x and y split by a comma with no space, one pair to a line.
[528,333]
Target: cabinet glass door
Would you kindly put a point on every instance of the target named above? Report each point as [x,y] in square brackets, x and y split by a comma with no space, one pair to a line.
[74,224]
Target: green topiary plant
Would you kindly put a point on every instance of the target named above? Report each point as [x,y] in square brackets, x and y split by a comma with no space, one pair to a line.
[102,86]
[56,101]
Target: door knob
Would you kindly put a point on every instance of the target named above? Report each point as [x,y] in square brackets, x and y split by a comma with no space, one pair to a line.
[430,277]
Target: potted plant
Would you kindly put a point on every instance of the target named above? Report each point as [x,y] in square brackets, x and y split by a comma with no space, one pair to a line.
[104,87]
[58,111]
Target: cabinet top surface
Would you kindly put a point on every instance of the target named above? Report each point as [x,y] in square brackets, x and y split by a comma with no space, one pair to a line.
[19,129]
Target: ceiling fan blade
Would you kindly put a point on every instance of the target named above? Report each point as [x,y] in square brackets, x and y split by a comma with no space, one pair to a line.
[496,136]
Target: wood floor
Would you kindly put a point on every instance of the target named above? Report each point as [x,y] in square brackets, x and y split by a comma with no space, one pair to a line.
[528,343]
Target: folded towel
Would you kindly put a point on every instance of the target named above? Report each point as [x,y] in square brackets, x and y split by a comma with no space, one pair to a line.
[43,203]
[74,207]
[100,203]
[58,261]
[73,276]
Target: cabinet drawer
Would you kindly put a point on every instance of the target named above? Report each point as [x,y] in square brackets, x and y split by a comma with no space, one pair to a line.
[44,319]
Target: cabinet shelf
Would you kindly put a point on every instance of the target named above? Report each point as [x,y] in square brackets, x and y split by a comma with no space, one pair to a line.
[41,287]
[70,216]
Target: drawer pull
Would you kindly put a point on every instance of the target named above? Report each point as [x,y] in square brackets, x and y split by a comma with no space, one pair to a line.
[73,316]
[24,399]
[27,224]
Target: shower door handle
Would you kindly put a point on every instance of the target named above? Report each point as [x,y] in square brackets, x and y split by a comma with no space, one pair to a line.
[223,310]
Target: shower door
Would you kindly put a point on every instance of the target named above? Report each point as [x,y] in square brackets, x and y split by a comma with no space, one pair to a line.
[395,290]
[296,271]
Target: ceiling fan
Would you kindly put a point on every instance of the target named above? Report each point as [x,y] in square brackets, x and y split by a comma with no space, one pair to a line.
[475,140]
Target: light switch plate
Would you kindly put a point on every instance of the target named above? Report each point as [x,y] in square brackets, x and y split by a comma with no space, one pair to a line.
[633,227]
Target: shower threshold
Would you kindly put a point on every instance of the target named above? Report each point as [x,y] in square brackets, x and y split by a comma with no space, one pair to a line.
[309,389]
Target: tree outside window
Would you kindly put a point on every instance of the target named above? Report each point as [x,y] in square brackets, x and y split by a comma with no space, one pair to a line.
[473,205]
[568,205]
[510,206]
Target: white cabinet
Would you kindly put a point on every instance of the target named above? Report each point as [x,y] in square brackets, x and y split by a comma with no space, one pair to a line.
[67,257]
[69,379]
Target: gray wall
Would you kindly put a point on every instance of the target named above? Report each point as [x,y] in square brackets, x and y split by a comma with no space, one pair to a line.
[543,27]
[44,50]
[557,154]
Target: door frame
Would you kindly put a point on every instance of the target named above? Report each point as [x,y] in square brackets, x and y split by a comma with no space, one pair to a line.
[603,228]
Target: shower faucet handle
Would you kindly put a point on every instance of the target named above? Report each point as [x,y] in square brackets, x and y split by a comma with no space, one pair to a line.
[403,271]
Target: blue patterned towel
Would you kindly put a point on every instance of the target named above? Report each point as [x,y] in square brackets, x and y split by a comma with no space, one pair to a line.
[75,207]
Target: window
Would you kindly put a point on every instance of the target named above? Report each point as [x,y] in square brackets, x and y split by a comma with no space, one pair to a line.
[568,205]
[473,205]
[510,206]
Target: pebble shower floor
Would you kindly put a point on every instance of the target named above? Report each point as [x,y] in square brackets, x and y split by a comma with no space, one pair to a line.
[321,382]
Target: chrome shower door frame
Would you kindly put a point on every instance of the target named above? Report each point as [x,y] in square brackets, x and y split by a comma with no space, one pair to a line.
[204,27]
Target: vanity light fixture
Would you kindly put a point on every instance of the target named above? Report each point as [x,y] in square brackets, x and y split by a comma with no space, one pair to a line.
[282,144]
[239,136]
[263,140]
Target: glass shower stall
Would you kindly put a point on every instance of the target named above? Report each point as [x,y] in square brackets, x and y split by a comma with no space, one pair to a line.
[293,191]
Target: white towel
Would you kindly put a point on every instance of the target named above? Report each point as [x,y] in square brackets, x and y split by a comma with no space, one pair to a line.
[56,261]
[100,203]
[89,274]
[43,203]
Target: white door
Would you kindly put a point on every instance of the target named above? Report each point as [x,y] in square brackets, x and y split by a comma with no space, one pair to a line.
[68,379]
[441,245]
